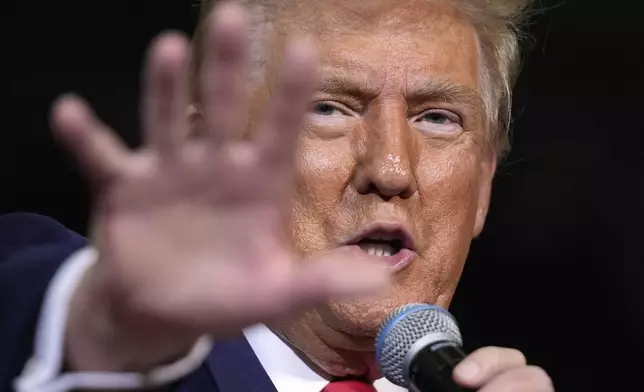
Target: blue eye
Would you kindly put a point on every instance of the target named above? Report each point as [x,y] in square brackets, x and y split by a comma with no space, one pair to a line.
[325,109]
[440,117]
[438,122]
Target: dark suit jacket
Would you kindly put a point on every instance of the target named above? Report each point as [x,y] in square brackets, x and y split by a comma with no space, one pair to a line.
[32,248]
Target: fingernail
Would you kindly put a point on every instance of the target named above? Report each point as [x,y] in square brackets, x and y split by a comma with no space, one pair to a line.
[468,370]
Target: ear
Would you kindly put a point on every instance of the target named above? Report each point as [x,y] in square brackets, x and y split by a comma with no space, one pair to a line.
[488,168]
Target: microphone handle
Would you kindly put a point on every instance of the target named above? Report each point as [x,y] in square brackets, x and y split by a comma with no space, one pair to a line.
[432,368]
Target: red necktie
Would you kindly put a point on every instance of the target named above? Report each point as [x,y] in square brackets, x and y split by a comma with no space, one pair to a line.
[349,386]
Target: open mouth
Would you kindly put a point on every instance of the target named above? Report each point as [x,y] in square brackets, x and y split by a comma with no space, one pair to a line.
[384,241]
[381,244]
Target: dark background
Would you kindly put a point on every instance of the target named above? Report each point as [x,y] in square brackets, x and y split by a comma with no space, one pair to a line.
[558,270]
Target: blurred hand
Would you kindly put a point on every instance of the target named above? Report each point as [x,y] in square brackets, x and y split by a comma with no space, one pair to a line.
[494,369]
[190,230]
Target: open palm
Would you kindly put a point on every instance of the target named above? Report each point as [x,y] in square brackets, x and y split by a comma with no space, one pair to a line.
[190,229]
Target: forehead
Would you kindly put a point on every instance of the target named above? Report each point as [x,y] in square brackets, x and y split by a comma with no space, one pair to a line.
[391,41]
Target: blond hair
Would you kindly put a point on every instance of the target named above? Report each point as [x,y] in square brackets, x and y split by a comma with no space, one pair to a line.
[497,22]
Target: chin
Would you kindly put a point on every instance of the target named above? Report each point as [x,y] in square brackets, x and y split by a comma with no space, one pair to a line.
[339,337]
[362,317]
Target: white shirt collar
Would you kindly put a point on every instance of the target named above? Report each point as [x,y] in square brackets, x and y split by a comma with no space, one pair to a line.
[286,370]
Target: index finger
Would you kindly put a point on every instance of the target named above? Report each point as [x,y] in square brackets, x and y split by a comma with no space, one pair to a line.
[289,104]
[224,71]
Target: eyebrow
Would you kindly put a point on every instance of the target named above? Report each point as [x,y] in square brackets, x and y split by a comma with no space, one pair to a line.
[348,83]
[417,91]
[440,90]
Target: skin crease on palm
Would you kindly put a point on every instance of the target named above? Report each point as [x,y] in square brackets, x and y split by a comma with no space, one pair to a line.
[396,134]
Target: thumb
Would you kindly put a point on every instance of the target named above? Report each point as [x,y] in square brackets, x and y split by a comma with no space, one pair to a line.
[338,274]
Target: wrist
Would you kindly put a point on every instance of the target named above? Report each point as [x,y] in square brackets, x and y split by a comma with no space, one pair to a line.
[80,344]
[103,335]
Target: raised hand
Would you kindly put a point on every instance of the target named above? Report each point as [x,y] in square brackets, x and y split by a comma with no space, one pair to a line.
[190,230]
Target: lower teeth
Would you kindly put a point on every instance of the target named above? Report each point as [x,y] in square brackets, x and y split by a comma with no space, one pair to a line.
[382,250]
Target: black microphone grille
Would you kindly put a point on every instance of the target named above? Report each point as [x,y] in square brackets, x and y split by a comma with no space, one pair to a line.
[405,326]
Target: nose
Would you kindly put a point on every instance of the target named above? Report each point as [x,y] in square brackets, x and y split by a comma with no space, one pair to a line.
[385,164]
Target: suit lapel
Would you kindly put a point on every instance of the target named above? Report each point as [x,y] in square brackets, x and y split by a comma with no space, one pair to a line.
[235,368]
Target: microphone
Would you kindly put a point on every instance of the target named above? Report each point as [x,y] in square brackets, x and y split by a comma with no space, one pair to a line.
[418,347]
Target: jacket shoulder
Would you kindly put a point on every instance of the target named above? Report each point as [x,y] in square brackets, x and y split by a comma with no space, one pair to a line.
[20,230]
[32,248]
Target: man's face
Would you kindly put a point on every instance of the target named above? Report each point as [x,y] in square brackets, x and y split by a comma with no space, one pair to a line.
[392,161]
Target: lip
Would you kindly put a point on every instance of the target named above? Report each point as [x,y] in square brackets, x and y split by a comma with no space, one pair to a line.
[383,227]
[395,262]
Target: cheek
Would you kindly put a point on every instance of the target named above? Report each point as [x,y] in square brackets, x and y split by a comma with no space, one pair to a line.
[323,170]
[449,190]
[448,185]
